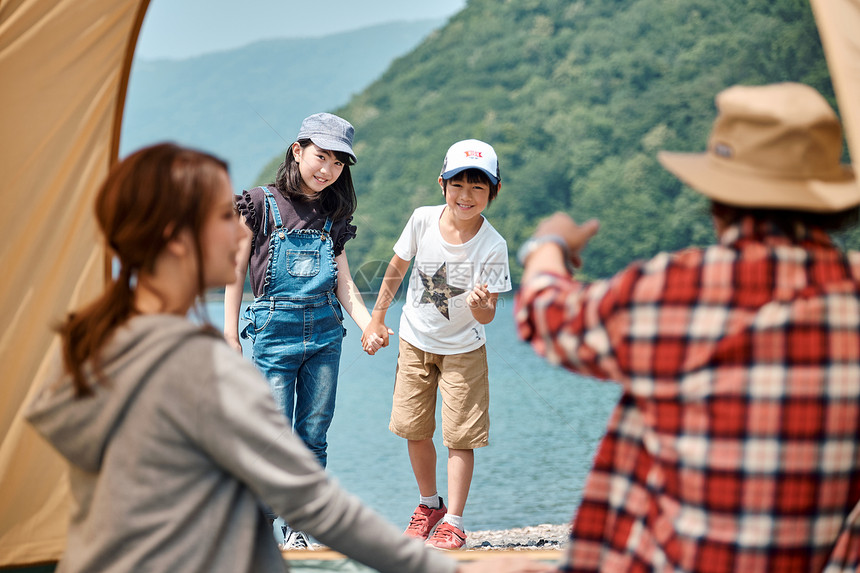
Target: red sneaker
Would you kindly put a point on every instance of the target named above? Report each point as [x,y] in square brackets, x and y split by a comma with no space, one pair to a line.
[423,520]
[447,536]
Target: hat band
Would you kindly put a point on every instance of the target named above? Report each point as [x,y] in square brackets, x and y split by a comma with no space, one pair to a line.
[840,173]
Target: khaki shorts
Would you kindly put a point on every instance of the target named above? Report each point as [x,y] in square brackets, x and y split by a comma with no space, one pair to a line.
[462,380]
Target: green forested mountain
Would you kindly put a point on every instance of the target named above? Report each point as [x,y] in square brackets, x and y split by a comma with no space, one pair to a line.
[577,97]
[246,103]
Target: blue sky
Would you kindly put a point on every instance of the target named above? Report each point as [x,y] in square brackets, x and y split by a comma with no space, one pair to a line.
[182,28]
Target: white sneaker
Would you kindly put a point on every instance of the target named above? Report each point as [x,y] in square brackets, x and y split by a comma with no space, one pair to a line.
[296,540]
[279,530]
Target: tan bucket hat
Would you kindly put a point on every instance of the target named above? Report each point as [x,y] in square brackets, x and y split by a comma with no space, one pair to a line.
[776,146]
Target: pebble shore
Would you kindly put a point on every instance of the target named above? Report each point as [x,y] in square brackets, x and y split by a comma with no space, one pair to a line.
[545,536]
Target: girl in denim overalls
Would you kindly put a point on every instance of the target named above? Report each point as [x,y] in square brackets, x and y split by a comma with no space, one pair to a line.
[300,276]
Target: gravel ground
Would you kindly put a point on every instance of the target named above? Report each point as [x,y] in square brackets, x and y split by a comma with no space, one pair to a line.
[544,536]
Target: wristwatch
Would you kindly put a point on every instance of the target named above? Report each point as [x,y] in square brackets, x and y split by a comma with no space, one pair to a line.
[533,243]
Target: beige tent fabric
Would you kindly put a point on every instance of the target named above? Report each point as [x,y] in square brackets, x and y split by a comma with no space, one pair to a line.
[64,67]
[839,26]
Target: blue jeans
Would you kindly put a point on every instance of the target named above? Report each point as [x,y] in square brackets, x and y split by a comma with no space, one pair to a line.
[297,346]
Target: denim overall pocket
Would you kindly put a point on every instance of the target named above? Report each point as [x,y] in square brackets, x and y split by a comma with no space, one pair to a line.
[338,313]
[249,332]
[259,317]
[303,263]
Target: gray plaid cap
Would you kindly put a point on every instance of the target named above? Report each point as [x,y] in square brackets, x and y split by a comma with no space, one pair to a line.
[328,131]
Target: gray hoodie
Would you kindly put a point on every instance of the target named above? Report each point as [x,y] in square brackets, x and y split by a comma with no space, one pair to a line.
[170,463]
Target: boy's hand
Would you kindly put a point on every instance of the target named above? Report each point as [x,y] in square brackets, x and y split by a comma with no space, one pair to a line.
[371,343]
[479,298]
[482,303]
[375,336]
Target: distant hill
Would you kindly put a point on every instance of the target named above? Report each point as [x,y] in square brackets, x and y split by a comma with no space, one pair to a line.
[247,104]
[577,97]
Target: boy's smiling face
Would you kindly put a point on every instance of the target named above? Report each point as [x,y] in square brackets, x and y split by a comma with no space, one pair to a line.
[465,200]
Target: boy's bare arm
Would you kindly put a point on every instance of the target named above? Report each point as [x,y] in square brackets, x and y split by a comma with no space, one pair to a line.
[394,274]
[482,303]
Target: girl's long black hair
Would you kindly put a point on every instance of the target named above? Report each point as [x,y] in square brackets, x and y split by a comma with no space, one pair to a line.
[337,200]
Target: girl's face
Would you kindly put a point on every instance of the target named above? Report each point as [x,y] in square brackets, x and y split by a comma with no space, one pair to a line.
[220,237]
[319,168]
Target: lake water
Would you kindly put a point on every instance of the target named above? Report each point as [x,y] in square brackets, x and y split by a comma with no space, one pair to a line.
[545,424]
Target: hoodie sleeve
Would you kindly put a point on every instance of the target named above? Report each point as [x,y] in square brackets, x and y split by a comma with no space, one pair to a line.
[238,425]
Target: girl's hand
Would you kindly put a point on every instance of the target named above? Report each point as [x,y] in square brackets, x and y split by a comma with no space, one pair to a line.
[371,343]
[375,336]
[479,297]
[233,341]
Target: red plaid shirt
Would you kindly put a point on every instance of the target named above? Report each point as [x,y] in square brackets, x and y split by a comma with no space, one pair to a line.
[734,446]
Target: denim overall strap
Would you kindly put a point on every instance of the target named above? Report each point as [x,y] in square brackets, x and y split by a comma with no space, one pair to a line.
[270,203]
[329,247]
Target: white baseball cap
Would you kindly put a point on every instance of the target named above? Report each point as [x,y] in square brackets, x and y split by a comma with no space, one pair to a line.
[471,154]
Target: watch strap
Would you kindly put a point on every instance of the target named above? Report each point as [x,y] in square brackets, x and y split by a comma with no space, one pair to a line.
[533,243]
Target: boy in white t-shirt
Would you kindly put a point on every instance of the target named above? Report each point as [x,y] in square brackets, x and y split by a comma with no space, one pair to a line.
[461,266]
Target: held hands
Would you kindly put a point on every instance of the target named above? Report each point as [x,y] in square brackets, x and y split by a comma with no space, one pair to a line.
[371,343]
[375,336]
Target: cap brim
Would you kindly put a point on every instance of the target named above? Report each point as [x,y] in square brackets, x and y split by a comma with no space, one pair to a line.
[452,172]
[754,190]
[333,145]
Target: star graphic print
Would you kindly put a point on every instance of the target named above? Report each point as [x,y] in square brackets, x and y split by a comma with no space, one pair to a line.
[437,290]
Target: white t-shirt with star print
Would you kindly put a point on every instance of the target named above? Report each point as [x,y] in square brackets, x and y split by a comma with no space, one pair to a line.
[436,317]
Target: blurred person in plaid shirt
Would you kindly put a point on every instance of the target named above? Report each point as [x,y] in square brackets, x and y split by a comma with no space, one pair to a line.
[734,446]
